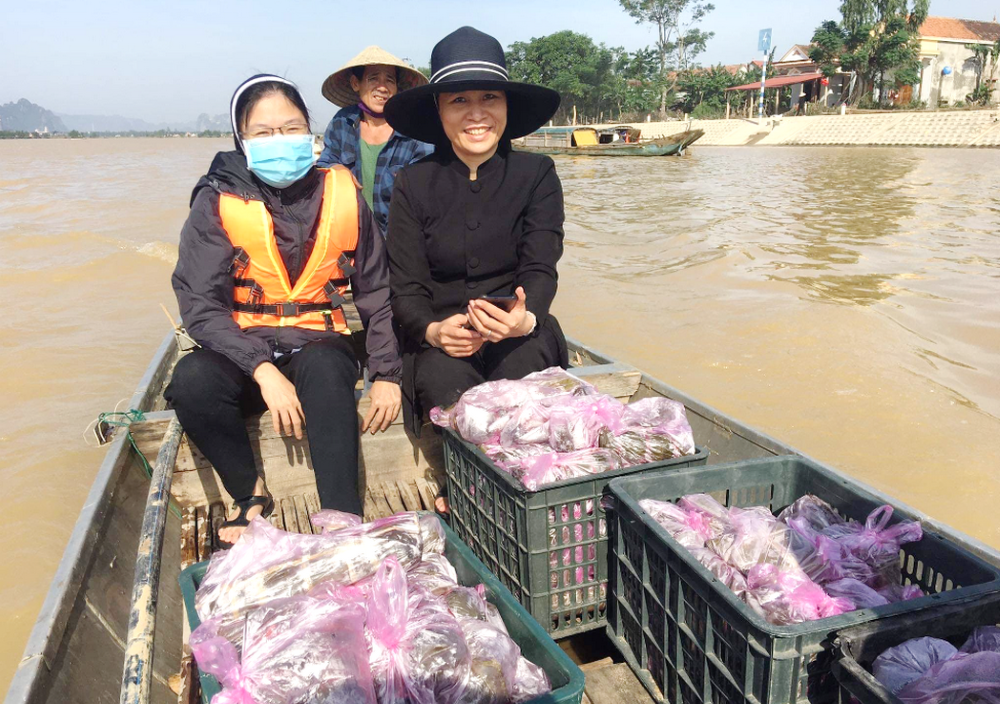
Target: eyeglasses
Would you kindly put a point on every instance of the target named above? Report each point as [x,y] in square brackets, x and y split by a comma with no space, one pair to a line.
[293,128]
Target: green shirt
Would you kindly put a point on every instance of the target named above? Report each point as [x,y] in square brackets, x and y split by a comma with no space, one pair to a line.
[369,158]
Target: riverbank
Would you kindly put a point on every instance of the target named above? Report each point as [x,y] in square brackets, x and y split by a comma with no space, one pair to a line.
[979,128]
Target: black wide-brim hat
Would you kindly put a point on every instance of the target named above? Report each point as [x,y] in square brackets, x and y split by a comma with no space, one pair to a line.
[468,59]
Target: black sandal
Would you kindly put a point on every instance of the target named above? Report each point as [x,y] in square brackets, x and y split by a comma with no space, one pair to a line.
[267,501]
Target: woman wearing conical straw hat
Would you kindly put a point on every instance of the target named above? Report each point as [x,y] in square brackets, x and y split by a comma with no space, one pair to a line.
[358,136]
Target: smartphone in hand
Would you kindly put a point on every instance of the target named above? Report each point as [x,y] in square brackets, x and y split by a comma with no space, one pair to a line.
[504,303]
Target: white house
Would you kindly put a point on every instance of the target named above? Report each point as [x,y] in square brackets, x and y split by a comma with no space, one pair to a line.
[948,68]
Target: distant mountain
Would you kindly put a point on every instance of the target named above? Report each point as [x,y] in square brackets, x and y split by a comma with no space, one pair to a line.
[108,123]
[117,123]
[28,117]
[25,115]
[219,123]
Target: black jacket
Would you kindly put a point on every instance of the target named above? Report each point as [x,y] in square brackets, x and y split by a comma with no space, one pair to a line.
[204,286]
[451,239]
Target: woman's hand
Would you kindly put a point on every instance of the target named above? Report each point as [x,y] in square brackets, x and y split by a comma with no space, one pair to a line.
[453,337]
[386,400]
[281,399]
[496,324]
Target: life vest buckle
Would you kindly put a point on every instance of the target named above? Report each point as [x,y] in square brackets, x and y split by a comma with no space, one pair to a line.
[346,265]
[288,309]
[336,299]
[241,260]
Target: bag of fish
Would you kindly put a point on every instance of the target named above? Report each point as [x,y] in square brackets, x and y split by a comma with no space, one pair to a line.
[805,564]
[932,671]
[551,426]
[365,613]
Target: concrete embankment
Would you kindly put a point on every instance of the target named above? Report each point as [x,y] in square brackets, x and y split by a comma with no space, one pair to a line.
[979,128]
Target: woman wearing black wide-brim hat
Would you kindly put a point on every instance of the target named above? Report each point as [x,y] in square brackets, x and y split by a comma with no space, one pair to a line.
[474,220]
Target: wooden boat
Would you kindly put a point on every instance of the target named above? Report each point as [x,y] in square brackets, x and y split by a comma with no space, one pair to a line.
[616,141]
[78,646]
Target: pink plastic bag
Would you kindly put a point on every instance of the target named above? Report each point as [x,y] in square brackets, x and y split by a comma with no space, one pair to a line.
[499,673]
[528,424]
[434,574]
[909,661]
[267,563]
[293,650]
[530,681]
[863,596]
[877,543]
[481,413]
[901,592]
[966,678]
[418,650]
[664,417]
[509,459]
[823,558]
[330,520]
[722,570]
[542,470]
[579,422]
[753,537]
[982,639]
[814,512]
[689,528]
[786,597]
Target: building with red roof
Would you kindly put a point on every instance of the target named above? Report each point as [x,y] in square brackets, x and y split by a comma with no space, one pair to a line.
[948,67]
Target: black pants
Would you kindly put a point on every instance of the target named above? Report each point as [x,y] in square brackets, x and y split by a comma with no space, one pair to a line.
[439,379]
[212,397]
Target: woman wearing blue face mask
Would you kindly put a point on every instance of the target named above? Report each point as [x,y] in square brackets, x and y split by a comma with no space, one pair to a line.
[265,259]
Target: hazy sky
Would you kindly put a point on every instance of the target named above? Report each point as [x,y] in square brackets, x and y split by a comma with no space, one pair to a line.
[170,61]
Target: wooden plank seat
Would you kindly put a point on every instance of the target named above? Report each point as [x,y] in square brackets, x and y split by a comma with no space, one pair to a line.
[397,471]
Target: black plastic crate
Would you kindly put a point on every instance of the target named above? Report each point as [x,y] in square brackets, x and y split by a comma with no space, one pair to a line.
[857,647]
[690,639]
[549,547]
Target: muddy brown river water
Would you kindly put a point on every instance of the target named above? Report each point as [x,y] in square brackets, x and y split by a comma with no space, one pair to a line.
[846,301]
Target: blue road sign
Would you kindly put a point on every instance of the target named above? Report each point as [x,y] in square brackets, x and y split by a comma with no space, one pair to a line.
[764,41]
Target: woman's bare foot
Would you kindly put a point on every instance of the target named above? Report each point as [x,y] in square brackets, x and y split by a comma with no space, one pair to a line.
[230,534]
[441,504]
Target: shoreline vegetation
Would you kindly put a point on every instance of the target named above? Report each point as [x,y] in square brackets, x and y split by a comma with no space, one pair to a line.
[76,134]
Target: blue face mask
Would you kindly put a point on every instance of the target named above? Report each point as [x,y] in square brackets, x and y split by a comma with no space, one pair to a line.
[280,160]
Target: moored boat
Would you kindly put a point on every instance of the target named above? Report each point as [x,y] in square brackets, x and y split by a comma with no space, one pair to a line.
[77,648]
[616,141]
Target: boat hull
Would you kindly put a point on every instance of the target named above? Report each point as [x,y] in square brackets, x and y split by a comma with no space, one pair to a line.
[666,146]
[76,651]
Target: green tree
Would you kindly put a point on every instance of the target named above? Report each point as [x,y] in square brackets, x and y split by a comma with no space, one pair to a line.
[679,40]
[571,64]
[635,82]
[880,42]
[702,92]
[984,56]
[827,47]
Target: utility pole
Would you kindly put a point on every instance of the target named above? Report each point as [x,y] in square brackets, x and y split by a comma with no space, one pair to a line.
[764,46]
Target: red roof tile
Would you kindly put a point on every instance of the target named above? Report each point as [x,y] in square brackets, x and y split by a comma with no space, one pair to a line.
[954,28]
[780,81]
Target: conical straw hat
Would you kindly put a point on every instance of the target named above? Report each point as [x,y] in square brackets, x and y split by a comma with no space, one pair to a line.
[337,87]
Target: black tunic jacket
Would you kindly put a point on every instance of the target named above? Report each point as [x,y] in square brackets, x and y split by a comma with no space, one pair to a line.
[204,286]
[451,239]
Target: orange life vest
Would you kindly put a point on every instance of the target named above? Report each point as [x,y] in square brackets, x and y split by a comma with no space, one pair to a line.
[263,295]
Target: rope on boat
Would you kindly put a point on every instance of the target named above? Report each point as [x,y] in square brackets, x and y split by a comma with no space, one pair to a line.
[138,669]
[123,419]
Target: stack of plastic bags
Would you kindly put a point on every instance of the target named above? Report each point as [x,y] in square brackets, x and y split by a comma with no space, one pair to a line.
[551,426]
[932,671]
[343,618]
[805,564]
